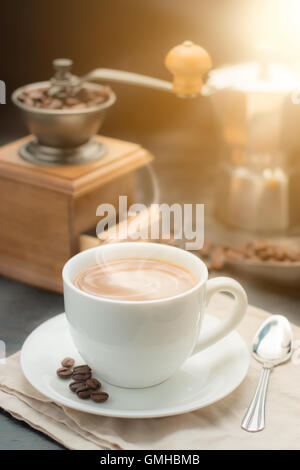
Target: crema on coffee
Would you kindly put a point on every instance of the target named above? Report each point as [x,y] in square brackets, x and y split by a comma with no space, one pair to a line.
[135,279]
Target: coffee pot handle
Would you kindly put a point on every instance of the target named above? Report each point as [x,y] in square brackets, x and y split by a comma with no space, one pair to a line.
[223,284]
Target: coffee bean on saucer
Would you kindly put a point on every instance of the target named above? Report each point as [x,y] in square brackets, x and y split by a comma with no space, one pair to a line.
[84,394]
[94,384]
[99,397]
[68,362]
[82,366]
[74,386]
[82,387]
[84,369]
[81,377]
[64,372]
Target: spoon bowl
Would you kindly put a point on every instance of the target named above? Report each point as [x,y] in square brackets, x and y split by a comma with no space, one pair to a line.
[272,343]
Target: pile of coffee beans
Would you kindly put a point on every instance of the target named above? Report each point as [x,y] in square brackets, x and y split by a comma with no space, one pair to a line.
[84,385]
[216,255]
[85,98]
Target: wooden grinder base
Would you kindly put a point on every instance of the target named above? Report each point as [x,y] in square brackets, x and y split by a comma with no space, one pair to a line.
[45,209]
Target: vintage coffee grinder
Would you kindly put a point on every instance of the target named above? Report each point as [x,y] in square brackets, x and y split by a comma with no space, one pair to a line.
[52,181]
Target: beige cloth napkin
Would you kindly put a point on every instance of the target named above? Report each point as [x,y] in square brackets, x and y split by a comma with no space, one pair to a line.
[214,427]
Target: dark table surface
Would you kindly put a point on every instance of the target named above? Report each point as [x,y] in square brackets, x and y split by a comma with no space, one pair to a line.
[23,307]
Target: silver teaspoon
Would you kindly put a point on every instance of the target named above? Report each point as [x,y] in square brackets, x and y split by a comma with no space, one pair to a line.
[271,345]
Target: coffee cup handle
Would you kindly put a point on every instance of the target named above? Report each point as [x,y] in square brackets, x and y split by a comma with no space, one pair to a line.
[223,284]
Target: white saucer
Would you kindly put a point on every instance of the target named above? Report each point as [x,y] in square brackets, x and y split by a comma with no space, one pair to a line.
[204,378]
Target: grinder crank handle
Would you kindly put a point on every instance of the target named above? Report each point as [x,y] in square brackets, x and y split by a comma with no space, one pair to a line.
[187,62]
[129,78]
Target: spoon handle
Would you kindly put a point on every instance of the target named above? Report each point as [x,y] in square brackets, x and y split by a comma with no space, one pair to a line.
[254,419]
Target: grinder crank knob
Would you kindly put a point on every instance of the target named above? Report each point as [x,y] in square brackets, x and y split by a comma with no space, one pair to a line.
[189,64]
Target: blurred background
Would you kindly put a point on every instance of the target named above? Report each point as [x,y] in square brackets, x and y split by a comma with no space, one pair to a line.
[135,36]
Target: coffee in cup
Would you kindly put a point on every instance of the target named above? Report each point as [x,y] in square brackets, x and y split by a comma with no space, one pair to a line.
[135,279]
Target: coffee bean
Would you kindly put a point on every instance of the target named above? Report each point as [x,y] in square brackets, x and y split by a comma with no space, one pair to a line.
[62,95]
[233,255]
[28,101]
[259,245]
[47,101]
[81,366]
[263,255]
[71,101]
[36,94]
[99,397]
[22,97]
[93,384]
[55,104]
[206,249]
[67,362]
[64,373]
[249,252]
[280,253]
[85,98]
[84,394]
[83,387]
[259,251]
[255,258]
[217,258]
[292,255]
[81,377]
[84,369]
[75,385]
[214,265]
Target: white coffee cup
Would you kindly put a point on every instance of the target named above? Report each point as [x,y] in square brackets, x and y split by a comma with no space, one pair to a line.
[138,344]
